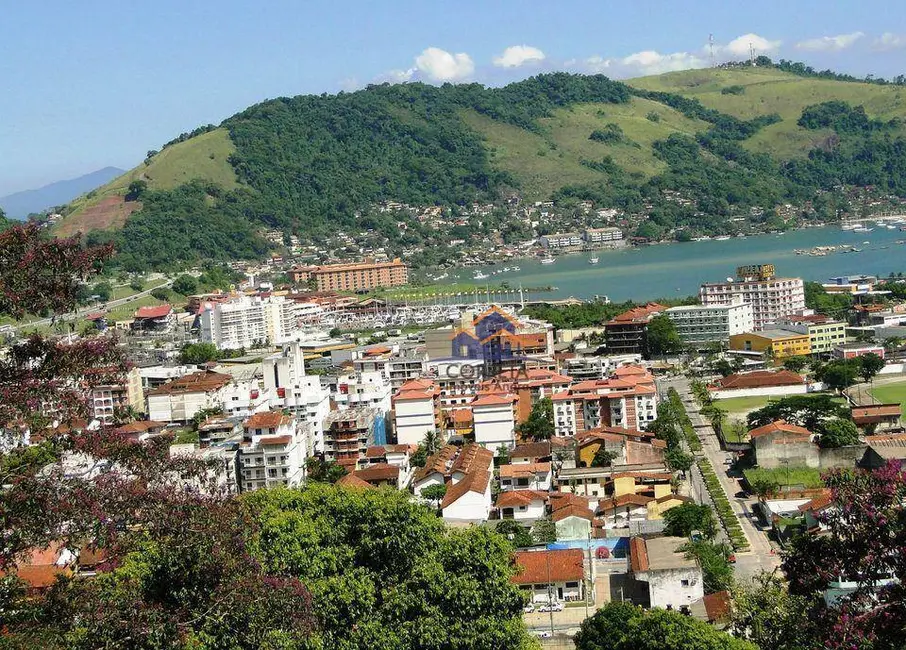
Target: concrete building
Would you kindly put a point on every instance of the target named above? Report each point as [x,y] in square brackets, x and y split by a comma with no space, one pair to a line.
[362,389]
[272,453]
[349,433]
[248,322]
[522,505]
[290,389]
[674,580]
[582,368]
[107,400]
[551,576]
[771,297]
[180,399]
[494,421]
[559,241]
[416,411]
[356,276]
[780,444]
[468,498]
[854,350]
[602,236]
[776,343]
[823,333]
[525,476]
[700,324]
[627,333]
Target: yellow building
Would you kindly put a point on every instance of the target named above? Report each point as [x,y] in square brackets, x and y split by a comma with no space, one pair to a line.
[780,344]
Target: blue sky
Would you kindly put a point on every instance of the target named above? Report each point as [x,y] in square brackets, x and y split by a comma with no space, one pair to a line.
[93,83]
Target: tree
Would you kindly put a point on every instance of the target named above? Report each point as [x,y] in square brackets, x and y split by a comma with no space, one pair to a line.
[603,457]
[432,442]
[840,374]
[540,423]
[198,353]
[161,293]
[678,460]
[838,433]
[795,364]
[103,290]
[714,560]
[892,344]
[661,336]
[185,285]
[622,626]
[519,535]
[807,411]
[766,614]
[865,543]
[435,493]
[870,364]
[136,189]
[722,367]
[323,471]
[544,531]
[681,520]
[764,487]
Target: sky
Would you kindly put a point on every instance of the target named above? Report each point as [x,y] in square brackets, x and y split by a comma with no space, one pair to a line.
[94,83]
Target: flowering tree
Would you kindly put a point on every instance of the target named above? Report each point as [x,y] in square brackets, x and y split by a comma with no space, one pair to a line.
[865,545]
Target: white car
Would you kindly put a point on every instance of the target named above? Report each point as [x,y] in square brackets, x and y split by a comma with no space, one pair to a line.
[528,609]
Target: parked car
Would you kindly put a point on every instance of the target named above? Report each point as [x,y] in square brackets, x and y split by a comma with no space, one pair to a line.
[528,609]
[557,607]
[543,634]
[731,558]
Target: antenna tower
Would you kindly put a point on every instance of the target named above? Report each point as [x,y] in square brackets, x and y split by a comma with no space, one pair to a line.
[752,55]
[711,48]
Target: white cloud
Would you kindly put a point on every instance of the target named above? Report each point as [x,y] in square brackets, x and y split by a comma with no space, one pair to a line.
[889,41]
[740,46]
[596,64]
[517,55]
[439,65]
[652,62]
[830,43]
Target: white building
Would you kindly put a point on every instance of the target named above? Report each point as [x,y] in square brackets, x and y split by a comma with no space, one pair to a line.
[415,411]
[561,240]
[526,476]
[699,324]
[494,421]
[521,505]
[180,399]
[272,453]
[603,235]
[552,576]
[458,381]
[249,322]
[107,399]
[771,297]
[369,389]
[290,389]
[674,580]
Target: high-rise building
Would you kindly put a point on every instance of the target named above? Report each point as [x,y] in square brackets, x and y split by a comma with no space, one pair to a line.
[272,453]
[290,389]
[354,277]
[348,434]
[771,297]
[249,322]
[106,400]
[698,324]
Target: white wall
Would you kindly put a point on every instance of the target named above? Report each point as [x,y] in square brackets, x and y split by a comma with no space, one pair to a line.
[798,389]
[412,419]
[665,587]
[470,507]
[534,510]
[494,426]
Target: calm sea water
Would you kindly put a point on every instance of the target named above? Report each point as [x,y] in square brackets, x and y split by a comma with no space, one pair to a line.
[678,269]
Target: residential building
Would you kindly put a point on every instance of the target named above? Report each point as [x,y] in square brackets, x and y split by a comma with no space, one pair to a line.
[563,240]
[272,453]
[358,276]
[781,444]
[602,236]
[855,350]
[551,576]
[248,322]
[416,411]
[616,480]
[525,476]
[521,505]
[877,417]
[399,456]
[109,399]
[628,446]
[776,343]
[628,399]
[436,470]
[531,452]
[580,368]
[823,333]
[290,389]
[627,333]
[572,516]
[160,318]
[675,580]
[494,422]
[771,297]
[382,474]
[703,324]
[223,461]
[216,430]
[852,284]
[759,382]
[458,381]
[349,433]
[180,399]
[527,386]
[360,389]
[468,498]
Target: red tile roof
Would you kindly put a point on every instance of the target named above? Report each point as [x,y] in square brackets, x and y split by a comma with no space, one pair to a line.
[513,498]
[717,606]
[875,413]
[139,427]
[638,555]
[154,312]
[622,501]
[378,472]
[534,450]
[818,503]
[410,395]
[476,480]
[204,381]
[267,420]
[572,510]
[760,379]
[546,567]
[437,463]
[780,427]
[353,481]
[493,400]
[524,470]
[640,314]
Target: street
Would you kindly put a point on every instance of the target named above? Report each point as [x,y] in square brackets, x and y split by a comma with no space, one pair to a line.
[762,555]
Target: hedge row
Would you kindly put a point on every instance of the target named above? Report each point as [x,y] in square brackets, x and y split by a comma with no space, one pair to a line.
[676,404]
[722,504]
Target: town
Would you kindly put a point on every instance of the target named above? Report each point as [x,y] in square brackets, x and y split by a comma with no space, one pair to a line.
[648,459]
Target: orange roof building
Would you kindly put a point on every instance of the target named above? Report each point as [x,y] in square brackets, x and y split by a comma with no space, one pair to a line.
[544,574]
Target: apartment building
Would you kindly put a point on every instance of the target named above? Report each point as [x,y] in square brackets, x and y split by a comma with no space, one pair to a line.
[824,334]
[290,389]
[581,368]
[348,434]
[248,322]
[777,343]
[561,240]
[357,276]
[180,399]
[701,324]
[627,333]
[416,411]
[628,399]
[272,453]
[494,421]
[106,400]
[771,297]
[598,236]
[362,389]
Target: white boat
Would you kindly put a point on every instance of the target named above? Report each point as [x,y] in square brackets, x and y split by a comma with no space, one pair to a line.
[480,276]
[548,260]
[848,226]
[722,238]
[516,268]
[862,229]
[593,260]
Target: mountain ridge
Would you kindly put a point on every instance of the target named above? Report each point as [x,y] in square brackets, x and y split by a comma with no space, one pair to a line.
[19,205]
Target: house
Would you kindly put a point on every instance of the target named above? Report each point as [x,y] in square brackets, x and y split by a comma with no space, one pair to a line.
[531,452]
[526,476]
[617,512]
[521,505]
[494,421]
[351,481]
[622,442]
[468,497]
[180,399]
[674,580]
[436,470]
[855,350]
[572,518]
[780,444]
[650,480]
[399,456]
[551,576]
[759,382]
[273,452]
[659,506]
[161,318]
[381,474]
[40,569]
[812,512]
[874,417]
[880,451]
[140,430]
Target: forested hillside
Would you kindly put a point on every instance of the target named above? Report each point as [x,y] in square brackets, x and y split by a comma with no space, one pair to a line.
[685,151]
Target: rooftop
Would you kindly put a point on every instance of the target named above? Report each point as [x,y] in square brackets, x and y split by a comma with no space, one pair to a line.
[780,426]
[659,554]
[760,379]
[545,567]
[198,382]
[267,420]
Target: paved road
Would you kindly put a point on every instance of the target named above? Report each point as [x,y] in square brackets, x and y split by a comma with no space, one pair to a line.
[762,555]
[95,308]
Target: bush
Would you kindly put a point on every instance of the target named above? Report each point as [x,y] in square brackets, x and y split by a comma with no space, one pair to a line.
[733,90]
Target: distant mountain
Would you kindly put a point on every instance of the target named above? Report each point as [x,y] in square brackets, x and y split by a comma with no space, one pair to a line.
[20,204]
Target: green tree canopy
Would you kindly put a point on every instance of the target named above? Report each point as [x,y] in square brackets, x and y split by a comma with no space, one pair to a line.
[807,411]
[540,423]
[662,337]
[185,284]
[681,520]
[715,563]
[838,432]
[198,353]
[870,364]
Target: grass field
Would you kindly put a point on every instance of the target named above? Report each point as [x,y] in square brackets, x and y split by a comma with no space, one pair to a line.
[891,394]
[795,476]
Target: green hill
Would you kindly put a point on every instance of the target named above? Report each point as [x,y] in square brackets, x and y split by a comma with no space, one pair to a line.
[726,140]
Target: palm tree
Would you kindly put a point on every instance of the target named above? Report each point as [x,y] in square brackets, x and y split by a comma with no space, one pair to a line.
[432,442]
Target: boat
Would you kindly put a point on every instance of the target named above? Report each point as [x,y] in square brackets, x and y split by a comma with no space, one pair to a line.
[722,238]
[862,229]
[480,276]
[548,260]
[516,268]
[593,260]
[849,226]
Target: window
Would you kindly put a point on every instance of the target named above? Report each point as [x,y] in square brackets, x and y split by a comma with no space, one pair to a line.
[684,583]
[572,584]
